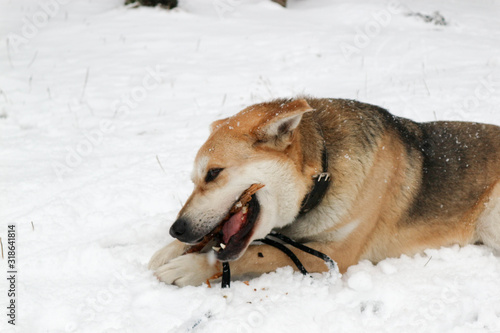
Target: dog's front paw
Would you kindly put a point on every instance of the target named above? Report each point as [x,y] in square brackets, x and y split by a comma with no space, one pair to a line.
[188,270]
[167,253]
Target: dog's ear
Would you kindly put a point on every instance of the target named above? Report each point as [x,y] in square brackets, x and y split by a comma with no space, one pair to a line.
[216,124]
[276,130]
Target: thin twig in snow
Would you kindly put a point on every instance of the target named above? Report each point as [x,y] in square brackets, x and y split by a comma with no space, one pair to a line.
[29,82]
[428,261]
[4,95]
[85,84]
[161,166]
[425,81]
[426,87]
[33,60]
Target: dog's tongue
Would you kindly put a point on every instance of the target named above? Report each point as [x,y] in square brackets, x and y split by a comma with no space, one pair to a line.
[232,226]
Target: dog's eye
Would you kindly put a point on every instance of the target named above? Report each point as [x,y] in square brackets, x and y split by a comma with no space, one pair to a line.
[212,174]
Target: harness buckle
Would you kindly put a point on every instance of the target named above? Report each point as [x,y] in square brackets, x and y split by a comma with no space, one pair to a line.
[325,176]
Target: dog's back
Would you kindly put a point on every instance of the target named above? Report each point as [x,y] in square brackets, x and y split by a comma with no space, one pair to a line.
[458,160]
[448,174]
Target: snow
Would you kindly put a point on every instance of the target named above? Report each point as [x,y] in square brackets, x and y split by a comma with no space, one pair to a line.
[102,109]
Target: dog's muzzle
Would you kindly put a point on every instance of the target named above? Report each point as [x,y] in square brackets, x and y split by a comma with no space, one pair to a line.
[182,231]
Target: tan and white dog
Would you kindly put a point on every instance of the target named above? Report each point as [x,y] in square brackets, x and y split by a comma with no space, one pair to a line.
[397,187]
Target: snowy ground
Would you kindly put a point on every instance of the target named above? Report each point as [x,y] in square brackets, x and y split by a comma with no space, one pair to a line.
[102,109]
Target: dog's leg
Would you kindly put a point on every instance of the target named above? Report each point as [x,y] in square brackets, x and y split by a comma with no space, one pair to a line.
[188,270]
[488,227]
[167,253]
[195,268]
[259,259]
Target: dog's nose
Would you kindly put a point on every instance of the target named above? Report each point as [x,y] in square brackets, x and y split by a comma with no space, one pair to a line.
[178,228]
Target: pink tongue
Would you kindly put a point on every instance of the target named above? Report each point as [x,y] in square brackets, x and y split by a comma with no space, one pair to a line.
[232,226]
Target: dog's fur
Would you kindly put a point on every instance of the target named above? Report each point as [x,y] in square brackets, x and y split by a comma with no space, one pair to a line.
[398,187]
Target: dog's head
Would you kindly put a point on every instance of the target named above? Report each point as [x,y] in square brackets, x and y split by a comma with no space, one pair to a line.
[259,145]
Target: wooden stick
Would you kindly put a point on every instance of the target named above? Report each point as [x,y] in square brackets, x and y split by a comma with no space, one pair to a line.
[215,276]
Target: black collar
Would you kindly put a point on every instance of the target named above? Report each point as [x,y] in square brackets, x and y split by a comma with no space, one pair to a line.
[321,183]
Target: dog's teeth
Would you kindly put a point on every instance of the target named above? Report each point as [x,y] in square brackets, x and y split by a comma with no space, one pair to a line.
[244,210]
[222,245]
[215,248]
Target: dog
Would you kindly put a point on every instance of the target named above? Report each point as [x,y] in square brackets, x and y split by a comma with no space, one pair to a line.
[396,187]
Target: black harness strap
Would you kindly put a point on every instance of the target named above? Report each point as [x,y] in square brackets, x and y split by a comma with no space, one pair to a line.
[329,261]
[226,275]
[285,250]
[321,184]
